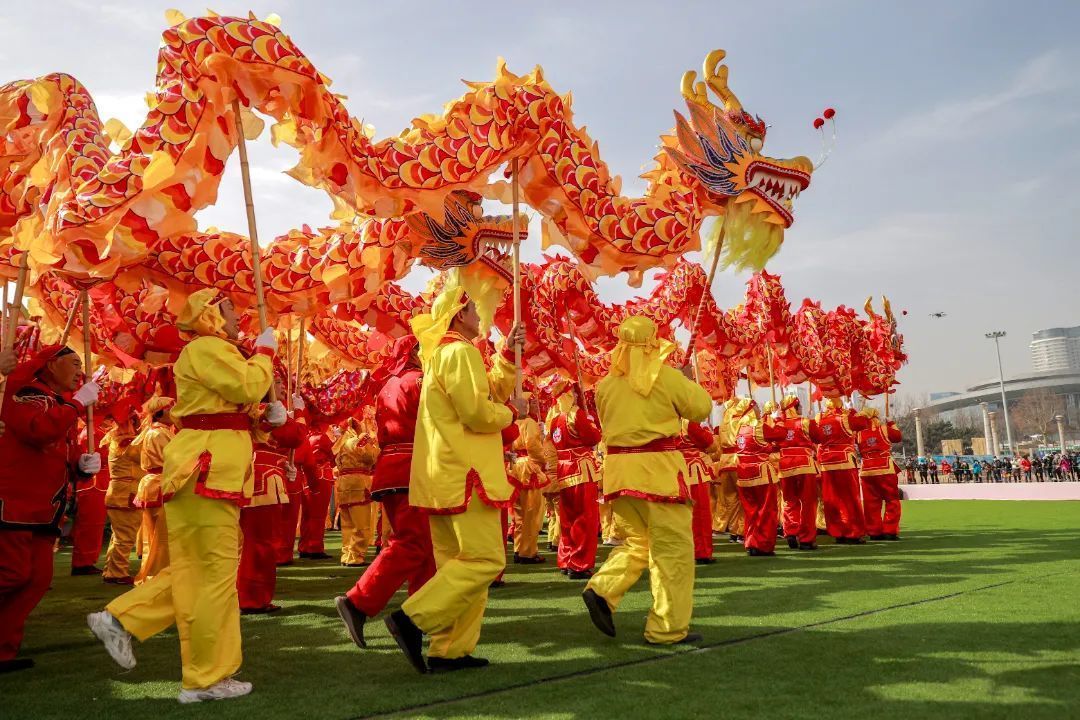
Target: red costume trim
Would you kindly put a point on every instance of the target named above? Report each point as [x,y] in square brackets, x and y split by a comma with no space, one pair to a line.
[668,444]
[473,484]
[682,497]
[236,498]
[217,421]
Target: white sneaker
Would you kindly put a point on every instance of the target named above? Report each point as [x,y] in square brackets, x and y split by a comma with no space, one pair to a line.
[117,640]
[227,688]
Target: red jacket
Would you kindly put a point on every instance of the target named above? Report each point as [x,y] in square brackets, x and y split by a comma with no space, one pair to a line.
[875,446]
[395,420]
[838,429]
[40,452]
[797,447]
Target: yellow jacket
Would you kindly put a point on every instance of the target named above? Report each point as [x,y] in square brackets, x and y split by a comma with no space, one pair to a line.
[124,471]
[630,420]
[530,467]
[152,459]
[458,447]
[212,378]
[356,455]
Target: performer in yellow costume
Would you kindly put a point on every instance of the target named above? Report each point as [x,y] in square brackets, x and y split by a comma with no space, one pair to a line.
[207,474]
[125,472]
[152,441]
[641,404]
[356,451]
[459,477]
[728,510]
[530,475]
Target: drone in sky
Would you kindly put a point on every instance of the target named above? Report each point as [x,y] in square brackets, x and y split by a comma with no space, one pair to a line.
[938,314]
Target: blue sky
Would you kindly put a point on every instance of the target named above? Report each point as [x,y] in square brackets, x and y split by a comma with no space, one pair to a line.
[953,187]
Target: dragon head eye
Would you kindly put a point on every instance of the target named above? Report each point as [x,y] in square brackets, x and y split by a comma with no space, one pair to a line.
[755,144]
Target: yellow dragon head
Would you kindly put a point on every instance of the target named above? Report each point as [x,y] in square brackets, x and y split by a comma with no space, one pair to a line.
[719,146]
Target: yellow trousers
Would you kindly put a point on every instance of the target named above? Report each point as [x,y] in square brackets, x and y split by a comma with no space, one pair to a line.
[527,522]
[469,554]
[196,592]
[357,532]
[156,557]
[551,503]
[608,529]
[657,536]
[728,515]
[125,527]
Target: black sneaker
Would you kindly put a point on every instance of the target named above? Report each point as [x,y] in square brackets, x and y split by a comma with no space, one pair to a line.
[892,536]
[354,620]
[579,574]
[408,637]
[842,541]
[15,664]
[856,541]
[496,584]
[315,556]
[271,608]
[523,560]
[85,570]
[466,662]
[878,537]
[599,612]
[793,542]
[754,552]
[807,546]
[705,561]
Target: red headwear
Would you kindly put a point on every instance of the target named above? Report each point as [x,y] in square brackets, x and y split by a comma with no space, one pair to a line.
[401,358]
[24,372]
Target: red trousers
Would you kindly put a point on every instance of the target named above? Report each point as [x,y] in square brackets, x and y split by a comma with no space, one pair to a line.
[257,576]
[579,525]
[315,504]
[26,568]
[843,508]
[285,534]
[759,506]
[881,490]
[702,522]
[800,506]
[89,532]
[407,558]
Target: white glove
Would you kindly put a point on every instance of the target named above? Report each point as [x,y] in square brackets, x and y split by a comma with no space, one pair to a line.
[267,339]
[290,472]
[87,395]
[298,402]
[90,464]
[275,414]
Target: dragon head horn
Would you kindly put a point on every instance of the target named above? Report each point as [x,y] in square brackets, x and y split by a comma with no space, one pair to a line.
[715,77]
[869,306]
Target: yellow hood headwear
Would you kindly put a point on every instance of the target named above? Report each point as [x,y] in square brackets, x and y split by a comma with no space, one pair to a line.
[834,403]
[768,407]
[564,405]
[639,354]
[871,412]
[736,411]
[431,328]
[789,406]
[201,315]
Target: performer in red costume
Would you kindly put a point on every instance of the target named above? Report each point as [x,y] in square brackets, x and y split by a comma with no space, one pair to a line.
[799,475]
[575,434]
[319,471]
[695,441]
[408,556]
[260,518]
[41,456]
[840,478]
[879,477]
[88,532]
[288,517]
[756,440]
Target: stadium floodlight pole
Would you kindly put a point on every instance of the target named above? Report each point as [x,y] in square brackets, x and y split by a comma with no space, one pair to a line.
[996,337]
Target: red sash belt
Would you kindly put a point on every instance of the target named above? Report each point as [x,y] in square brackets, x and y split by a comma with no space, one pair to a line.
[403,448]
[217,421]
[659,445]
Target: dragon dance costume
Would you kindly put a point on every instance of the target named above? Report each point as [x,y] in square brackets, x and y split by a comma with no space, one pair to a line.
[40,436]
[880,485]
[800,475]
[152,441]
[458,477]
[840,476]
[696,440]
[206,478]
[641,404]
[575,435]
[758,475]
[356,450]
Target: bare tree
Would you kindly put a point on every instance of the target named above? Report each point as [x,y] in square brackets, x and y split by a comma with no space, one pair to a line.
[1034,413]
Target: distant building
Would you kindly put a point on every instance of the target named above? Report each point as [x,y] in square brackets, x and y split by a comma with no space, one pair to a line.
[1056,350]
[1066,384]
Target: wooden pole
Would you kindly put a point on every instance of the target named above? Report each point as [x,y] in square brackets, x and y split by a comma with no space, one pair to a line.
[288,368]
[886,406]
[87,367]
[12,323]
[253,233]
[3,312]
[517,269]
[71,321]
[302,340]
[772,383]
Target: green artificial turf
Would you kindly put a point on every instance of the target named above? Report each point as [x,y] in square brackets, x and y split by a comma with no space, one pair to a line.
[974,614]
